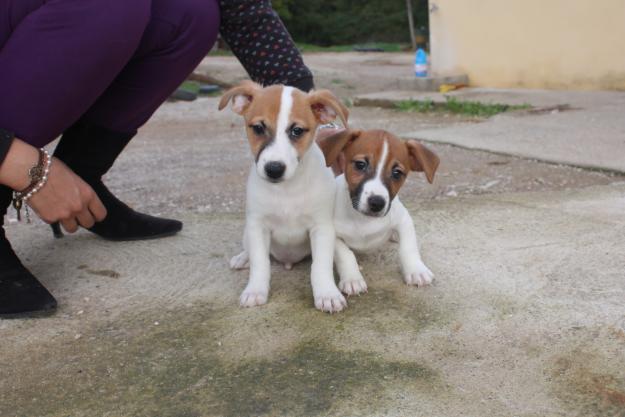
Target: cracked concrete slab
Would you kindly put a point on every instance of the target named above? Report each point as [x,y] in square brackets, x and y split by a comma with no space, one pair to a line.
[590,135]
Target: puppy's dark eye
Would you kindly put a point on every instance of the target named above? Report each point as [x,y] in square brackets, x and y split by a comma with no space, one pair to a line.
[297,132]
[360,165]
[258,129]
[397,174]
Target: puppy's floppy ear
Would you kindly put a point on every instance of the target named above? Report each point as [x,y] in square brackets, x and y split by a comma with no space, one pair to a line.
[241,96]
[333,145]
[326,107]
[422,159]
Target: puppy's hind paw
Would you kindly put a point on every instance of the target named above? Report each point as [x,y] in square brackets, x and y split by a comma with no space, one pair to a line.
[332,302]
[419,276]
[353,286]
[251,298]
[240,261]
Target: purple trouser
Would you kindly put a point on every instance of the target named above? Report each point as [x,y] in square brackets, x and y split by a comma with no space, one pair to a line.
[107,62]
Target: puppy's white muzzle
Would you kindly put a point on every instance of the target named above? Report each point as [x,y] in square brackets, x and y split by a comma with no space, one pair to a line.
[278,161]
[374,199]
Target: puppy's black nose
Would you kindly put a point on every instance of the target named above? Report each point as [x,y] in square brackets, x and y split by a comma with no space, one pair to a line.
[275,170]
[376,203]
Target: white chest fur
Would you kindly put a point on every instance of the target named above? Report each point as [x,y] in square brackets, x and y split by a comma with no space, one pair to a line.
[360,233]
[289,210]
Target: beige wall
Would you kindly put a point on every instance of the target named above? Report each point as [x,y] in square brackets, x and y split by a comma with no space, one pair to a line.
[555,44]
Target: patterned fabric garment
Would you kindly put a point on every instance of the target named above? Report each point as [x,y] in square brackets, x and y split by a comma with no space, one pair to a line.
[259,39]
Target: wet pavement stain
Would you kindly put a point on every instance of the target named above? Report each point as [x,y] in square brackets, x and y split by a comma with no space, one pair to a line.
[177,366]
[381,310]
[310,380]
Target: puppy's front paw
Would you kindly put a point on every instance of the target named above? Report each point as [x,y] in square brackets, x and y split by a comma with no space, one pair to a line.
[354,285]
[419,275]
[331,301]
[253,298]
[240,261]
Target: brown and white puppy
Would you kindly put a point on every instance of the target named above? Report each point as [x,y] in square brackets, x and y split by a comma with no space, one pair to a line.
[368,212]
[290,191]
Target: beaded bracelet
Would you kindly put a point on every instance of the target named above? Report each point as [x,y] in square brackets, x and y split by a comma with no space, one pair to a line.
[38,178]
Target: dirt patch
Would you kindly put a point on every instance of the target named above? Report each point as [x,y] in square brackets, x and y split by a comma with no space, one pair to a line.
[109,273]
[587,381]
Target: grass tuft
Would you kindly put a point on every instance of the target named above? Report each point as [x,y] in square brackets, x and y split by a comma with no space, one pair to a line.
[455,106]
[191,86]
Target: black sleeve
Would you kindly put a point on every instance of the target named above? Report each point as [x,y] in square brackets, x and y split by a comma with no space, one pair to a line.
[259,39]
[6,140]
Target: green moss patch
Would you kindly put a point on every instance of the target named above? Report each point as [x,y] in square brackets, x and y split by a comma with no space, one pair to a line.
[455,106]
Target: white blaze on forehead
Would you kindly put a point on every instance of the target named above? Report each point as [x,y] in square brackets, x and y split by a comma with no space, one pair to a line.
[375,186]
[281,149]
[286,104]
[382,163]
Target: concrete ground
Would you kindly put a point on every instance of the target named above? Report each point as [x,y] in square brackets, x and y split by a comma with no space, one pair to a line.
[526,316]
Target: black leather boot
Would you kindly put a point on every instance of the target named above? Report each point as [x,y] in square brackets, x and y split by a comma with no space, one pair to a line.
[90,152]
[21,294]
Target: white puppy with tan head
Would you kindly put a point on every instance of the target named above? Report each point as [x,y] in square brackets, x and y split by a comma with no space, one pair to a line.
[290,191]
[368,212]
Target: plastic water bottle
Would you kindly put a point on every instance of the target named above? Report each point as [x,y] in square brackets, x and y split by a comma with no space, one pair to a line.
[421,63]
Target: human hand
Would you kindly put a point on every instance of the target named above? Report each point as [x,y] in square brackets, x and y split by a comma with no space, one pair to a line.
[67,199]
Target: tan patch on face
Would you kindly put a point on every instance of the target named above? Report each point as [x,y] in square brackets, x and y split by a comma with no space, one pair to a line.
[302,116]
[398,160]
[369,147]
[265,109]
